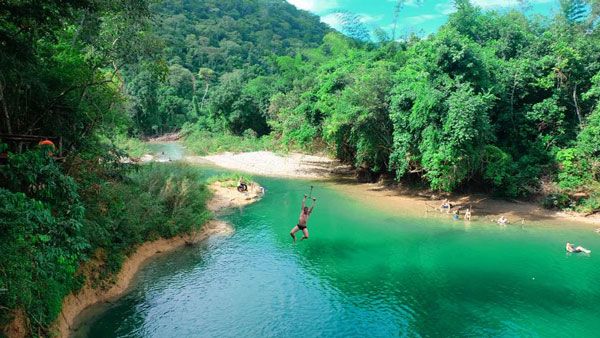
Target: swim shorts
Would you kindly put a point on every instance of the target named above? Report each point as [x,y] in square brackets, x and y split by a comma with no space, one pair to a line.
[301,227]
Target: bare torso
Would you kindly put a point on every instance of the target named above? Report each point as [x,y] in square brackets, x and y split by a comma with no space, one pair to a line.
[570,248]
[303,218]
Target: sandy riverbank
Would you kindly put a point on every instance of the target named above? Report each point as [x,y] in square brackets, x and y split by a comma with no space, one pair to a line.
[270,164]
[401,201]
[391,198]
[224,196]
[74,304]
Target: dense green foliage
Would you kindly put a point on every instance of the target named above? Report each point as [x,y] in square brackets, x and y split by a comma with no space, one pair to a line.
[41,218]
[152,202]
[203,142]
[214,50]
[59,65]
[49,225]
[500,101]
[60,76]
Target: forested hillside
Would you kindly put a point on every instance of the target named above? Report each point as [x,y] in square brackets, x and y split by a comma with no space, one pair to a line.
[496,102]
[82,74]
[73,201]
[221,44]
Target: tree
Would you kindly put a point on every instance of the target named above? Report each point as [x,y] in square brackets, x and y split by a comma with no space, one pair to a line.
[352,26]
[206,74]
[398,6]
[574,11]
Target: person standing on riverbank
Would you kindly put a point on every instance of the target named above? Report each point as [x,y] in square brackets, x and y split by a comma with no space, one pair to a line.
[305,212]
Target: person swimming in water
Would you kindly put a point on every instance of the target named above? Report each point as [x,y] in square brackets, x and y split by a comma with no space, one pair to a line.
[570,248]
[502,220]
[305,212]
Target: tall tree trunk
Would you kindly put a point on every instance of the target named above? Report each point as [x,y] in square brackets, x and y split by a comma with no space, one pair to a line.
[117,72]
[5,109]
[577,109]
[396,15]
[204,97]
[193,85]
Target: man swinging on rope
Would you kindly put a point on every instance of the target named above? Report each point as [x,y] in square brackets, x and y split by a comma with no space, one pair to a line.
[304,214]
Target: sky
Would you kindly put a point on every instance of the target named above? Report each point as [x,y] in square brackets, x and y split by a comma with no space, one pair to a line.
[422,17]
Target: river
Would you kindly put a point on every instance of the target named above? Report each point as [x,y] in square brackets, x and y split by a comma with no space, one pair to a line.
[363,272]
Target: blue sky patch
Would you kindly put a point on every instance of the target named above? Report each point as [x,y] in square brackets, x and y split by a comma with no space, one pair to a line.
[421,17]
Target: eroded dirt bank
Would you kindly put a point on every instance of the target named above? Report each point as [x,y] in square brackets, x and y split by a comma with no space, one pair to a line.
[225,196]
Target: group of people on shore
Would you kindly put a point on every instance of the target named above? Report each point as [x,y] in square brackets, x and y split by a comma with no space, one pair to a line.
[447,207]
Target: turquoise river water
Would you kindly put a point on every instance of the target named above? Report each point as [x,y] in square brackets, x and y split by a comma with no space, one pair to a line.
[363,273]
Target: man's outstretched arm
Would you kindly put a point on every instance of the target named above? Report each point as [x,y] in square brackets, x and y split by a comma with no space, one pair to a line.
[304,202]
[313,205]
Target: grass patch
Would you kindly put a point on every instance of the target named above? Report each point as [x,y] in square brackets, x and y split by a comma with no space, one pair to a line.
[201,142]
[230,180]
[591,203]
[156,200]
[132,146]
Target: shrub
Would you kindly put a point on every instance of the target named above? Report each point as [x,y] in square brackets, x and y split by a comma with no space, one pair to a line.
[47,228]
[203,142]
[40,254]
[575,170]
[557,201]
[132,146]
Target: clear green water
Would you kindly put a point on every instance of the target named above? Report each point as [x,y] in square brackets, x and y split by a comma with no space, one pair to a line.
[165,152]
[362,273]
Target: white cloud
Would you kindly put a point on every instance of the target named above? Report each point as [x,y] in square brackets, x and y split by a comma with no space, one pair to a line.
[366,18]
[409,3]
[419,19]
[448,7]
[445,8]
[314,6]
[333,20]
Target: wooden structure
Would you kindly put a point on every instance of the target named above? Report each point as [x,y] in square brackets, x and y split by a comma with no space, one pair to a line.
[19,143]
